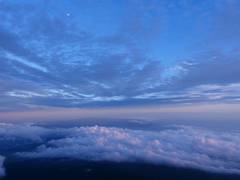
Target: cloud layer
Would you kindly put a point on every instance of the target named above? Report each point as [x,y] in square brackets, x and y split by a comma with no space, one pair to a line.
[2,170]
[180,146]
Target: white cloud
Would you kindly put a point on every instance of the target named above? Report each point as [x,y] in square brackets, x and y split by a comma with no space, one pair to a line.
[24,94]
[174,71]
[160,95]
[111,98]
[200,92]
[2,169]
[180,146]
[25,131]
[215,91]
[68,94]
[188,147]
[25,62]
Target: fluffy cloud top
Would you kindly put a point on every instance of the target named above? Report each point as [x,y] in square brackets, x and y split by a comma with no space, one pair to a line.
[2,170]
[182,146]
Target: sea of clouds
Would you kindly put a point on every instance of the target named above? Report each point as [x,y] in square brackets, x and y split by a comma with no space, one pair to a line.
[180,146]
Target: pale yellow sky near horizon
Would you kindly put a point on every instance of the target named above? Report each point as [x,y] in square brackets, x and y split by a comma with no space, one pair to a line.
[195,111]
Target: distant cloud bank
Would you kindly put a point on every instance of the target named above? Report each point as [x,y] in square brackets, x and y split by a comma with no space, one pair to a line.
[181,146]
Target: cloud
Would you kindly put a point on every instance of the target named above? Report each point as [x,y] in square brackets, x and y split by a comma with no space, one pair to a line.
[25,62]
[180,146]
[213,67]
[205,92]
[2,169]
[25,131]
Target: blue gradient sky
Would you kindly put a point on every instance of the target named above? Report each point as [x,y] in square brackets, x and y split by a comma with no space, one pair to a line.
[92,54]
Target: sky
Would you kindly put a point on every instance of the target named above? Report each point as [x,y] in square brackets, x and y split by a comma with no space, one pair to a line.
[67,55]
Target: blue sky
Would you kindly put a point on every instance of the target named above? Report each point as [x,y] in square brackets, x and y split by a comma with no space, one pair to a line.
[74,54]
